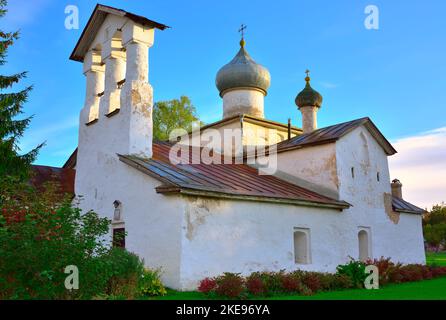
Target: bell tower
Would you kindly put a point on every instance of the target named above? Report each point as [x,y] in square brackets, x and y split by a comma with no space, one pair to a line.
[117,114]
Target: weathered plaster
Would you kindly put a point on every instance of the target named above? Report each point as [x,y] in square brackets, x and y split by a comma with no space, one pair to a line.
[243,101]
[398,236]
[316,164]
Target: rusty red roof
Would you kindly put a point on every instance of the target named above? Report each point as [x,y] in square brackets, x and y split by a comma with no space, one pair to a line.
[63,176]
[223,180]
[334,133]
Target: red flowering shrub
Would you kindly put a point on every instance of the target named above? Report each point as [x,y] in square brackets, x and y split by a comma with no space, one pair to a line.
[385,267]
[341,281]
[438,271]
[427,273]
[230,285]
[306,283]
[413,272]
[207,285]
[312,281]
[255,285]
[291,283]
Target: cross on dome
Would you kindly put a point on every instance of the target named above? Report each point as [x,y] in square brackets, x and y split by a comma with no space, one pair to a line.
[242,31]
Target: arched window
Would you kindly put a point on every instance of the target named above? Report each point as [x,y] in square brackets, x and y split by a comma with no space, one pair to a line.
[302,254]
[364,245]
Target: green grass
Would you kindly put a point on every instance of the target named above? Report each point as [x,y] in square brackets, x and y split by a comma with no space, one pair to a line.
[436,258]
[422,290]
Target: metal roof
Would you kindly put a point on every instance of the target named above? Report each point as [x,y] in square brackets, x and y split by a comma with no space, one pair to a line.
[94,23]
[333,133]
[238,181]
[63,176]
[400,205]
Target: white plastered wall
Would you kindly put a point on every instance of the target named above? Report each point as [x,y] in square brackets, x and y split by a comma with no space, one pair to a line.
[398,236]
[244,236]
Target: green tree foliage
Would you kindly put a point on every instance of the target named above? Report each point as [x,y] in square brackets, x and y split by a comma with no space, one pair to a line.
[172,114]
[12,164]
[434,226]
[41,234]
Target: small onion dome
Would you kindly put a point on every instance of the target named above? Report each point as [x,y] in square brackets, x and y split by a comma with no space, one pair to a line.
[243,72]
[308,96]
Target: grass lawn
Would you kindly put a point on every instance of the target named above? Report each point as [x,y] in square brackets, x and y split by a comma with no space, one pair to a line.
[436,258]
[421,290]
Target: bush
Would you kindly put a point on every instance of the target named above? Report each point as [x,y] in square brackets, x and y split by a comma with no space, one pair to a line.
[355,270]
[255,285]
[341,281]
[38,242]
[150,284]
[207,285]
[41,234]
[312,280]
[438,271]
[230,285]
[293,284]
[385,267]
[299,282]
[272,281]
[122,271]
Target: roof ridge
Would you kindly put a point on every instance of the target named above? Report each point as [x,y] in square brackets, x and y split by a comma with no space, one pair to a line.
[335,132]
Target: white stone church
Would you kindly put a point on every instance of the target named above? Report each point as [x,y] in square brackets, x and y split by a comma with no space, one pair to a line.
[329,199]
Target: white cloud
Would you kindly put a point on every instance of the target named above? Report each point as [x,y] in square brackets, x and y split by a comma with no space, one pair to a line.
[420,164]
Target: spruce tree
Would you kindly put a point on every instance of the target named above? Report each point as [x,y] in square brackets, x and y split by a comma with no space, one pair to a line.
[12,163]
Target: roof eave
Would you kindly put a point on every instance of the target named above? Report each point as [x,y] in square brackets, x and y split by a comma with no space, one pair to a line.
[76,56]
[166,189]
[409,211]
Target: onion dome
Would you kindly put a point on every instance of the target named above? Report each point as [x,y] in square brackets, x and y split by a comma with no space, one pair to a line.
[243,72]
[308,96]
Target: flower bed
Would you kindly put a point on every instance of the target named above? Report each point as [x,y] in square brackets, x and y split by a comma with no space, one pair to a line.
[350,275]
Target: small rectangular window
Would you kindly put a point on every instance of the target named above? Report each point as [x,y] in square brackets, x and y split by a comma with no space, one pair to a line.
[377,176]
[353,172]
[119,237]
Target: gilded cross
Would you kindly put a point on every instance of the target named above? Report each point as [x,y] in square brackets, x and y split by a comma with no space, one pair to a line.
[307,72]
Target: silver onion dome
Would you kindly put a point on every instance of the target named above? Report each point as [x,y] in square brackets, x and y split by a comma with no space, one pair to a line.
[243,72]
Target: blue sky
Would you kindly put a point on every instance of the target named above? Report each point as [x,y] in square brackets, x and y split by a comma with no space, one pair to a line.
[395,75]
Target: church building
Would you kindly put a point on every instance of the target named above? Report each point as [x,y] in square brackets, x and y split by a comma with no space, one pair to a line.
[329,197]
